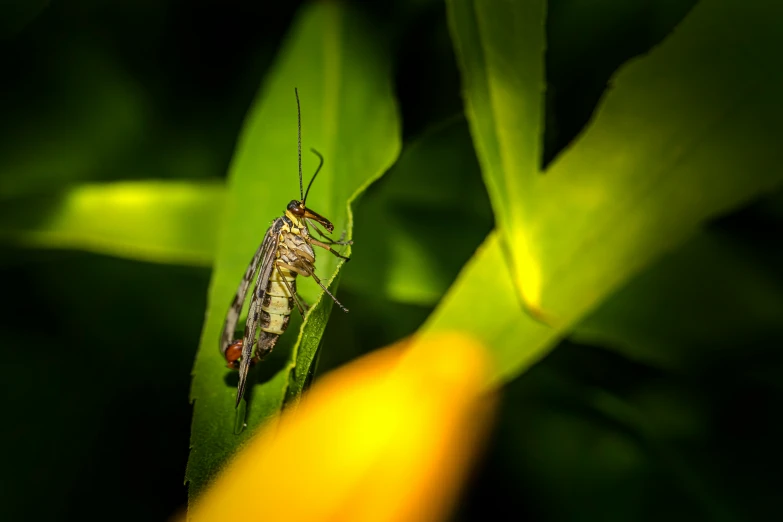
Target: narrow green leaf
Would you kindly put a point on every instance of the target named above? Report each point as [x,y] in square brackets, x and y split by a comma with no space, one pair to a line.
[349,115]
[681,121]
[500,47]
[157,221]
[687,132]
[483,303]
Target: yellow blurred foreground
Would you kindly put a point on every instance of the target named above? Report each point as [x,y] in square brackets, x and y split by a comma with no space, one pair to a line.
[388,437]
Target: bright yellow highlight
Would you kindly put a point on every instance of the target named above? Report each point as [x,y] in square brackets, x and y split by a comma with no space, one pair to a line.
[527,272]
[386,438]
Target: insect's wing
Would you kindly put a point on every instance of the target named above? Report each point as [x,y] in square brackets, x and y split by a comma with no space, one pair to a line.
[269,251]
[230,324]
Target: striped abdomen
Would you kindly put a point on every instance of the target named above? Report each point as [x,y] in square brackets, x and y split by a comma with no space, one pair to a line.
[278,302]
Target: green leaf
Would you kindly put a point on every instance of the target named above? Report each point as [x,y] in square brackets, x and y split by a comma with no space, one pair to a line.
[586,43]
[349,115]
[500,47]
[482,303]
[156,221]
[687,132]
[84,127]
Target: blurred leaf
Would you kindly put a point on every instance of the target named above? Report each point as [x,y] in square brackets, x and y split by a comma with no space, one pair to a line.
[86,123]
[591,435]
[482,301]
[77,107]
[405,222]
[374,321]
[114,346]
[342,75]
[590,453]
[425,60]
[682,121]
[692,306]
[587,40]
[15,15]
[158,221]
[500,48]
[688,132]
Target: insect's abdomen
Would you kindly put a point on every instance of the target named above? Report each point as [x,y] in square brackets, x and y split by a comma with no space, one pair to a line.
[278,302]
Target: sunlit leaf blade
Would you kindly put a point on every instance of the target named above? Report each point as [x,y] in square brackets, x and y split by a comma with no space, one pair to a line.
[500,48]
[157,221]
[483,303]
[349,116]
[687,132]
[683,120]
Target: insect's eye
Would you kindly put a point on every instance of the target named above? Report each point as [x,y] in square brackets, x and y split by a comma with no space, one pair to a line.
[295,208]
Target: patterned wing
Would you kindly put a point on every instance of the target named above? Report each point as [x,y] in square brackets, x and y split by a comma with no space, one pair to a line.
[269,251]
[267,248]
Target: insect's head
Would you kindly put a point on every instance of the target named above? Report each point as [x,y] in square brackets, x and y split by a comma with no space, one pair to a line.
[299,210]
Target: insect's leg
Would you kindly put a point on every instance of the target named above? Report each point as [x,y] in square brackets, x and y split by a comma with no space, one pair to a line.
[298,300]
[317,280]
[305,272]
[342,241]
[325,237]
[327,247]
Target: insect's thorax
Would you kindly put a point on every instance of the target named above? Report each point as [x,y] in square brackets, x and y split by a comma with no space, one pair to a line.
[294,256]
[293,246]
[295,221]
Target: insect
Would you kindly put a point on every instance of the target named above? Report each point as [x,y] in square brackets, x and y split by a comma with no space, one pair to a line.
[286,252]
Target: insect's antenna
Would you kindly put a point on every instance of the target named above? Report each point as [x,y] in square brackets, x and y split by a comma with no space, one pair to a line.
[299,143]
[321,164]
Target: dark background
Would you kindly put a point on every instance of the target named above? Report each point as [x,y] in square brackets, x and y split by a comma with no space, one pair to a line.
[97,351]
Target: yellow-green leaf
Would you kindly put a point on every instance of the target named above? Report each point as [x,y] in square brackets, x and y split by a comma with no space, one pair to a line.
[500,47]
[687,132]
[483,303]
[157,221]
[349,115]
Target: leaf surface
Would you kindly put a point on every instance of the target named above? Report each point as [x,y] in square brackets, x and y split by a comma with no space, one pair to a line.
[687,132]
[155,221]
[349,115]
